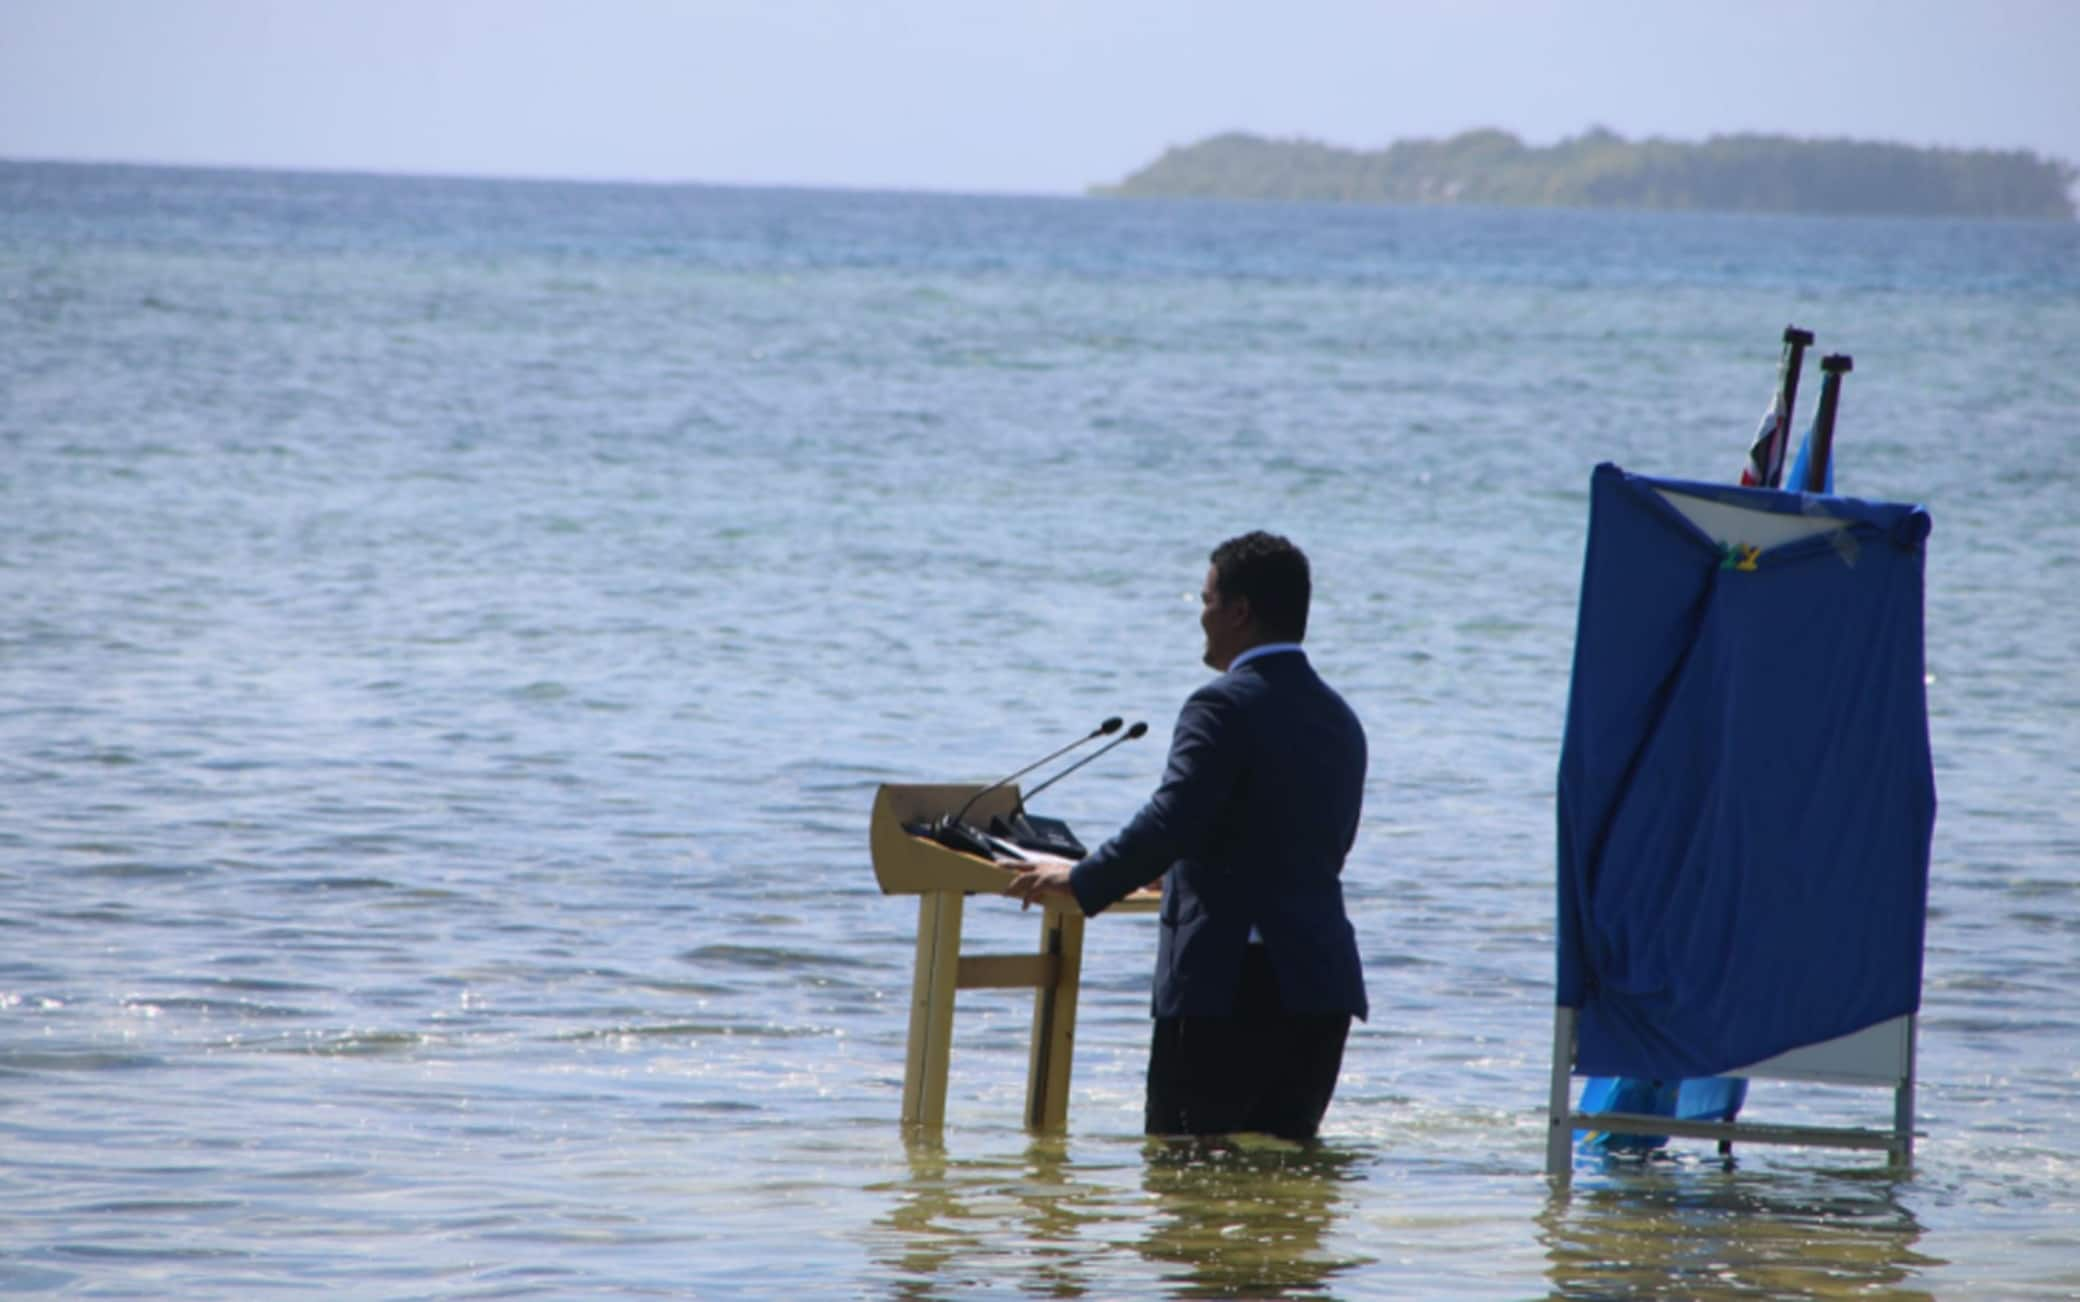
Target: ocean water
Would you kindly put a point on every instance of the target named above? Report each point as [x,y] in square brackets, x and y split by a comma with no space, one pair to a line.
[451,633]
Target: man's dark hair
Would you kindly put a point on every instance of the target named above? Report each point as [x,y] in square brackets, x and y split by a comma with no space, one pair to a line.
[1271,574]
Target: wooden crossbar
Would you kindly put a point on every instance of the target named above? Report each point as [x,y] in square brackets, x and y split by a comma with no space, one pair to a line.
[1008,971]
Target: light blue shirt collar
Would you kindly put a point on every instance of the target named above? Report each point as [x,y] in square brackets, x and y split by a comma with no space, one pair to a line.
[1266,649]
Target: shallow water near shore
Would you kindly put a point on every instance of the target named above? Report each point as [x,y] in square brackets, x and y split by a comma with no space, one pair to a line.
[453,632]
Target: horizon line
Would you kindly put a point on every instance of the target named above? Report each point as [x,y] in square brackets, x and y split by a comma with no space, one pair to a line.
[537,178]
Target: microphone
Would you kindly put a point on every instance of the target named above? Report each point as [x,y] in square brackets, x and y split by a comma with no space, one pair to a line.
[951,830]
[1111,725]
[1052,835]
[1139,729]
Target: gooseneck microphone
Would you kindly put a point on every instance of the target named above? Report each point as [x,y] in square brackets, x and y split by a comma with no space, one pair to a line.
[952,831]
[1051,835]
[1137,730]
[1109,726]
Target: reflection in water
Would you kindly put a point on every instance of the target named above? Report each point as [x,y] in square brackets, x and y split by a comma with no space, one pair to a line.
[1656,1231]
[1247,1218]
[958,1222]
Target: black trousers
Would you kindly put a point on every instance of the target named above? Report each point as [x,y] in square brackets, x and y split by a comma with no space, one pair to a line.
[1261,1069]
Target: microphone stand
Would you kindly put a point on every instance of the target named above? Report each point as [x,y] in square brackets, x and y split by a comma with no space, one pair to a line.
[952,830]
[1052,835]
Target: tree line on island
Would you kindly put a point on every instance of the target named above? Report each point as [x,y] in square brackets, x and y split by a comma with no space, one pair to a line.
[1600,169]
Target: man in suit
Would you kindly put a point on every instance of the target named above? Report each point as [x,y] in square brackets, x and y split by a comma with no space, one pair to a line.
[1257,969]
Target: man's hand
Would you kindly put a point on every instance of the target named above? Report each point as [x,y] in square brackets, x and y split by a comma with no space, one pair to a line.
[1044,877]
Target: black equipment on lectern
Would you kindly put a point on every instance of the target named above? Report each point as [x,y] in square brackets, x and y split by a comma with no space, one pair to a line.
[1052,835]
[953,831]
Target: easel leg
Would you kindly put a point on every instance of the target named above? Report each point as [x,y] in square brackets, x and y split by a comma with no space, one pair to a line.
[1559,1134]
[1054,1022]
[1902,1154]
[931,1008]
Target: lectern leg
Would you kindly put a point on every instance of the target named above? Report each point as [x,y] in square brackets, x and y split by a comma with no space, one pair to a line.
[931,1007]
[1054,1021]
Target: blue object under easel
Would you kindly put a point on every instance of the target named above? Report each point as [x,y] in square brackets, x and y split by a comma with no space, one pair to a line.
[1710,1098]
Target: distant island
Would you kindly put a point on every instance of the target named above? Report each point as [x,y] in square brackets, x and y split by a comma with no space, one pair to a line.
[1600,169]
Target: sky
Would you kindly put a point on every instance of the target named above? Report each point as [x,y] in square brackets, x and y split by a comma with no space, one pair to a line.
[993,96]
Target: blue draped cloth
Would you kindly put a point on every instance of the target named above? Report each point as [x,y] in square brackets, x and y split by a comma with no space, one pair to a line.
[1746,796]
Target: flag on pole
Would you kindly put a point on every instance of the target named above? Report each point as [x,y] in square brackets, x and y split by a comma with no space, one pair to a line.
[1765,468]
[1800,467]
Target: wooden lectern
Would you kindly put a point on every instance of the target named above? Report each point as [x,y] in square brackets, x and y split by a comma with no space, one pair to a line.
[942,878]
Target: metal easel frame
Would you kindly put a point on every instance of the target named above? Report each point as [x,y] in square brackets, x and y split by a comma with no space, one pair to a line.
[1881,1056]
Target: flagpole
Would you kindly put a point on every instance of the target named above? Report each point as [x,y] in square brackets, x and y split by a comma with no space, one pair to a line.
[1832,368]
[1796,341]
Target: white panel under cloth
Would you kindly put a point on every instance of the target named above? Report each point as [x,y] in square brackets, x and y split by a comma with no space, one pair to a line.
[1726,524]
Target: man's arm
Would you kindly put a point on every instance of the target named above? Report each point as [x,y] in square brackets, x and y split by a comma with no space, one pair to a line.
[1205,758]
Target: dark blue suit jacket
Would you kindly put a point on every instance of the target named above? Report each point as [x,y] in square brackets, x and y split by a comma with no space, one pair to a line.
[1257,808]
